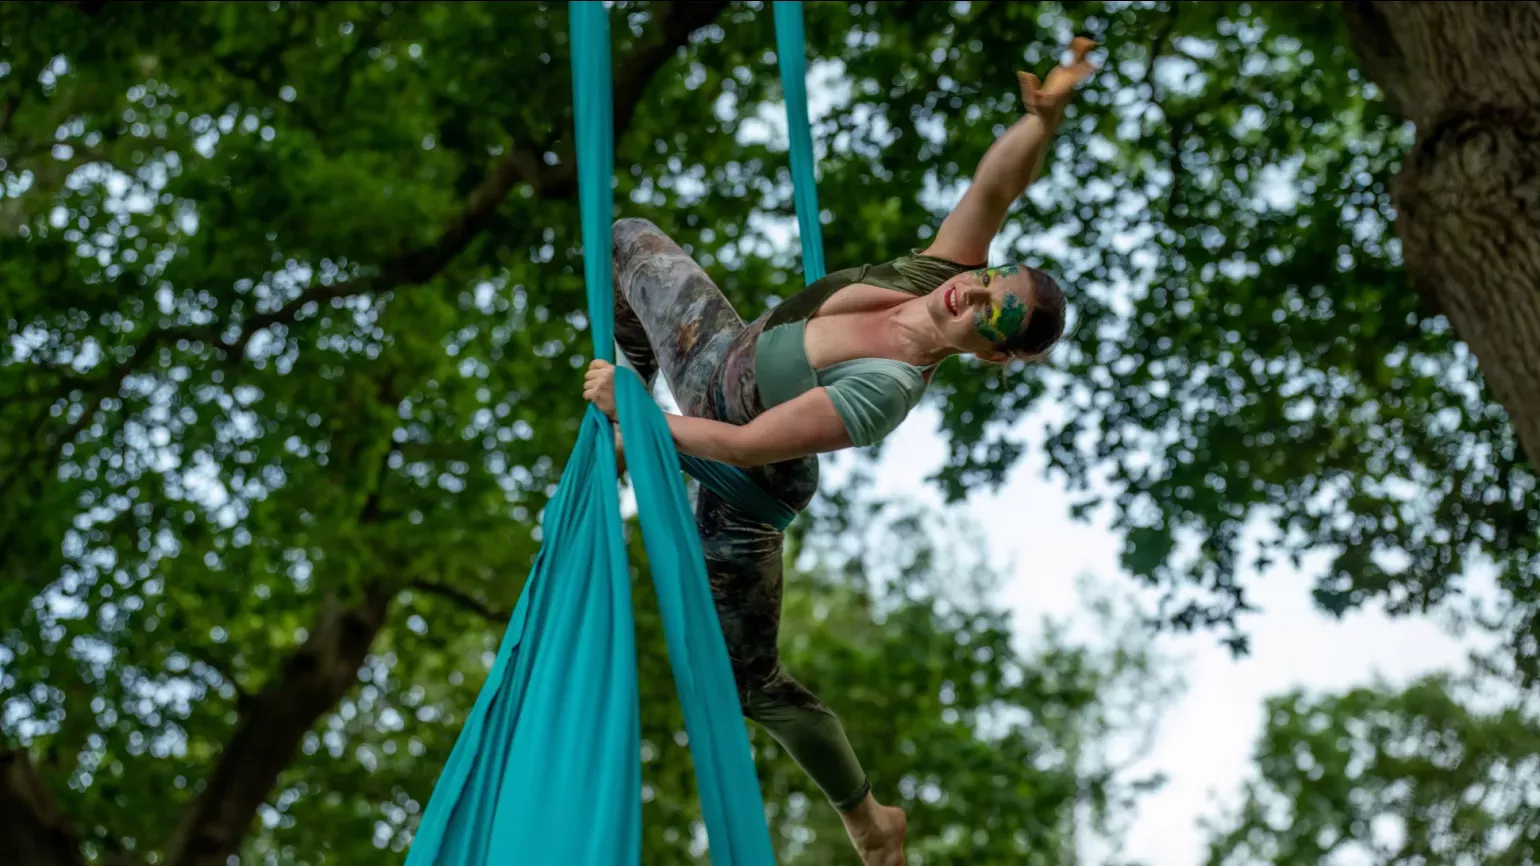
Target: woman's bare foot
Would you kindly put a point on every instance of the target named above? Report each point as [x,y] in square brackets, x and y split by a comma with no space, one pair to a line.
[877,832]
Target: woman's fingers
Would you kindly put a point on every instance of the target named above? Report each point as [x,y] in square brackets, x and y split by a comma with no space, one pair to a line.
[1029,88]
[1080,49]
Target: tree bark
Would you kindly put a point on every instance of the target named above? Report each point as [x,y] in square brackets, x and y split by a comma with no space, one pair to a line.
[32,830]
[1468,196]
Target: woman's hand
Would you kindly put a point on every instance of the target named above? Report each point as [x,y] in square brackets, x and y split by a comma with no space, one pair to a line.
[599,387]
[1050,98]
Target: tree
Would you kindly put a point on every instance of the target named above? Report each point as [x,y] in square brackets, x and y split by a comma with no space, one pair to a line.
[291,314]
[1442,771]
[291,309]
[1462,75]
[993,750]
[278,309]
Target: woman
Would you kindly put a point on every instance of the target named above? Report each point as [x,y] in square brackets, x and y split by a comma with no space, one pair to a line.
[838,365]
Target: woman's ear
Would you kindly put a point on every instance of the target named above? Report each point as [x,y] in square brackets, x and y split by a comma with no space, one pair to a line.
[992,357]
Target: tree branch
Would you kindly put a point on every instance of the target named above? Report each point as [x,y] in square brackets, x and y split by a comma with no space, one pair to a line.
[461,598]
[8,110]
[274,723]
[1157,47]
[271,729]
[33,832]
[1178,131]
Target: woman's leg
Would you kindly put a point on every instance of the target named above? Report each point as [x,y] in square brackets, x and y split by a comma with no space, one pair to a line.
[669,315]
[744,565]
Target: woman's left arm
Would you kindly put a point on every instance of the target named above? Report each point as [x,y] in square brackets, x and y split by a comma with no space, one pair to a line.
[802,426]
[806,425]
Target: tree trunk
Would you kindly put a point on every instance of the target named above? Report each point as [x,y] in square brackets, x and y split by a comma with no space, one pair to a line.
[32,831]
[1468,197]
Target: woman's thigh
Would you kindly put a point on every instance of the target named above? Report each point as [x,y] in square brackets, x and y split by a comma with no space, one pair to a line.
[688,321]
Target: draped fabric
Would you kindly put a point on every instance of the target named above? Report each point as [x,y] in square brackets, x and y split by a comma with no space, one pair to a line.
[547,768]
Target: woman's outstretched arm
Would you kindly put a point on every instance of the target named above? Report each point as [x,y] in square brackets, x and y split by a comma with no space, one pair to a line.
[1011,163]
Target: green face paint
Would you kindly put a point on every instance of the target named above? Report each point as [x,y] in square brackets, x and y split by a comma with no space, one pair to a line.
[1002,320]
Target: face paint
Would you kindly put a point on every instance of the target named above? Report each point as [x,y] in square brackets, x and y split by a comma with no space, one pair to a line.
[1004,319]
[988,274]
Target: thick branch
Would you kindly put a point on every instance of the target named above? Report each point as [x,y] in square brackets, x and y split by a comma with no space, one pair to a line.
[269,733]
[32,830]
[461,598]
[1378,53]
[274,723]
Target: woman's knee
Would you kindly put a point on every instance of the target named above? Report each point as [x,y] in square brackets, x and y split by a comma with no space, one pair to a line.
[777,697]
[627,230]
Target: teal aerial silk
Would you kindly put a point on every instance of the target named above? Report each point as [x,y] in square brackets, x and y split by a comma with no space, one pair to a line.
[791,50]
[547,768]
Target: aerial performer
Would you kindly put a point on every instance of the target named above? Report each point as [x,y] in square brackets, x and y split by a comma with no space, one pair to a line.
[838,365]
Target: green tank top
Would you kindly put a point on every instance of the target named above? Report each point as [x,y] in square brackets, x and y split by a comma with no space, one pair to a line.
[871,395]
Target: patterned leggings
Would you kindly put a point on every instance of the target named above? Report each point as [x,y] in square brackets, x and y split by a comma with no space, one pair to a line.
[670,316]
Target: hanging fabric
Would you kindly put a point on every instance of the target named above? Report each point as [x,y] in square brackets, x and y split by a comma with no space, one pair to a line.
[547,768]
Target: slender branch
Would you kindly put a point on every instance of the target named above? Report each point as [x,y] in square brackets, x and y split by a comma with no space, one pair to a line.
[1158,47]
[461,598]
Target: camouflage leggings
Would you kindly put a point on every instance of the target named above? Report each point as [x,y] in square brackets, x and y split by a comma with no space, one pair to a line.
[670,316]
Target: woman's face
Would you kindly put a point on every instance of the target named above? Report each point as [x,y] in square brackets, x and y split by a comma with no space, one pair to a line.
[978,310]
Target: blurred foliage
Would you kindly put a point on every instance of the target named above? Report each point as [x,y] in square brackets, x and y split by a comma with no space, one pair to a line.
[1441,771]
[292,317]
